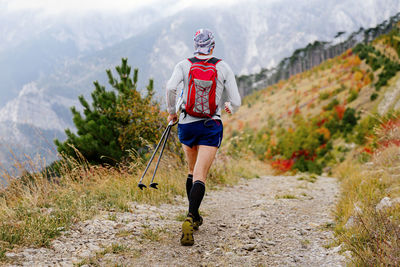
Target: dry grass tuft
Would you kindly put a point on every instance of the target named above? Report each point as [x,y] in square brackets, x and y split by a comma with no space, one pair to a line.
[371,232]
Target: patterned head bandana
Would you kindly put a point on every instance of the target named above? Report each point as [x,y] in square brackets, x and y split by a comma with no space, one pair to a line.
[203,41]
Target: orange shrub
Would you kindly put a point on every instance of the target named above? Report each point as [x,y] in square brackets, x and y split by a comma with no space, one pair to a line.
[325,132]
[358,76]
[354,61]
[359,86]
[367,80]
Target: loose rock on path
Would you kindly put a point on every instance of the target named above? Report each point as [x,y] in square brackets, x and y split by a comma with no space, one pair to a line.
[268,221]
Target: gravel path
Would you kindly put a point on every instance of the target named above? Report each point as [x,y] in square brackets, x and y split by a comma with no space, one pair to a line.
[268,221]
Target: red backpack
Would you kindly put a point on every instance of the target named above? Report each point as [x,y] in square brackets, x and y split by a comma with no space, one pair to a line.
[202,86]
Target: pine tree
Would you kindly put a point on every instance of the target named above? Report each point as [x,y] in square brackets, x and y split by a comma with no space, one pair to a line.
[115,121]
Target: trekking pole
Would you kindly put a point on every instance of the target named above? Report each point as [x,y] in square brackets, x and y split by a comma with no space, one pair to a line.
[140,184]
[152,184]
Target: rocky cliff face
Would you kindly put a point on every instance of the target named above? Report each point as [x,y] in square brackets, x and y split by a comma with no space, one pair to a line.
[33,106]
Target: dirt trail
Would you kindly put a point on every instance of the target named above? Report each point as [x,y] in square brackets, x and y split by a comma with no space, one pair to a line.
[268,221]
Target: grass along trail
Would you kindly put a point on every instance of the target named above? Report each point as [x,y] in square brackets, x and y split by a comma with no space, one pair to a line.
[268,221]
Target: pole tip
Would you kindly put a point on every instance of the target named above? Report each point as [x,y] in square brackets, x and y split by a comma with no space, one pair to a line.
[141,186]
[154,185]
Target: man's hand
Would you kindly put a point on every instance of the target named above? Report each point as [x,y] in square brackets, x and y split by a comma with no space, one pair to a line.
[172,117]
[228,107]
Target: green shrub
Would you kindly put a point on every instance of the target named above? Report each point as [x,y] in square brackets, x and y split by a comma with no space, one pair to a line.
[379,60]
[349,120]
[305,165]
[364,129]
[331,104]
[115,121]
[324,95]
[340,89]
[353,96]
[333,125]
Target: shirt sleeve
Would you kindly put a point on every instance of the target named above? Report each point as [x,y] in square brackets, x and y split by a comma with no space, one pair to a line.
[232,91]
[171,88]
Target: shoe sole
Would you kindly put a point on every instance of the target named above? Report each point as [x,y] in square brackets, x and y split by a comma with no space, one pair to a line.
[187,233]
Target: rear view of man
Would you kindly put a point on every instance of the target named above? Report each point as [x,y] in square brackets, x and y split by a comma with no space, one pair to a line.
[208,85]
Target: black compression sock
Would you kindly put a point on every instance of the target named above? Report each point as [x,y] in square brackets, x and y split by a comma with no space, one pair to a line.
[196,196]
[189,184]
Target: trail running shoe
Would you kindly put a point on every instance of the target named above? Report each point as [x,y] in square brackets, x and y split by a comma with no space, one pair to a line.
[197,223]
[187,232]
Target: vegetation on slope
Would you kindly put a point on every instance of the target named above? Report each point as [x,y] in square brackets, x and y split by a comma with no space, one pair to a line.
[304,120]
[309,122]
[377,60]
[368,213]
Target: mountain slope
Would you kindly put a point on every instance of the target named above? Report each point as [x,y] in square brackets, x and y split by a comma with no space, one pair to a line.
[310,121]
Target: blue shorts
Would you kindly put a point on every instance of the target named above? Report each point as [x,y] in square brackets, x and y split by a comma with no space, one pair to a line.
[201,133]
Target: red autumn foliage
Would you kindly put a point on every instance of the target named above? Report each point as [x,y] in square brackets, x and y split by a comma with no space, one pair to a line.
[283,165]
[390,124]
[340,111]
[384,137]
[322,146]
[386,143]
[368,150]
[388,138]
[321,122]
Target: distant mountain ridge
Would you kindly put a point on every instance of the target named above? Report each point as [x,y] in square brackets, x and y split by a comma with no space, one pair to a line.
[249,37]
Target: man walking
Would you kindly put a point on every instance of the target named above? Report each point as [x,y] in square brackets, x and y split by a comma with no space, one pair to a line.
[208,85]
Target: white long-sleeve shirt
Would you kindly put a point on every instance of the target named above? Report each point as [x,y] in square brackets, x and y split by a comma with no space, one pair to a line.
[226,90]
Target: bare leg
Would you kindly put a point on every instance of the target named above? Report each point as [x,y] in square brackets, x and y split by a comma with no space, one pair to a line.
[203,160]
[205,157]
[191,156]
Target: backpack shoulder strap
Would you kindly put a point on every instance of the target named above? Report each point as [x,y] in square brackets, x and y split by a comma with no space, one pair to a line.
[194,60]
[212,60]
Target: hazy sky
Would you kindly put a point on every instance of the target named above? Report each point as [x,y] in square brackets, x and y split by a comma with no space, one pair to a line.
[59,6]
